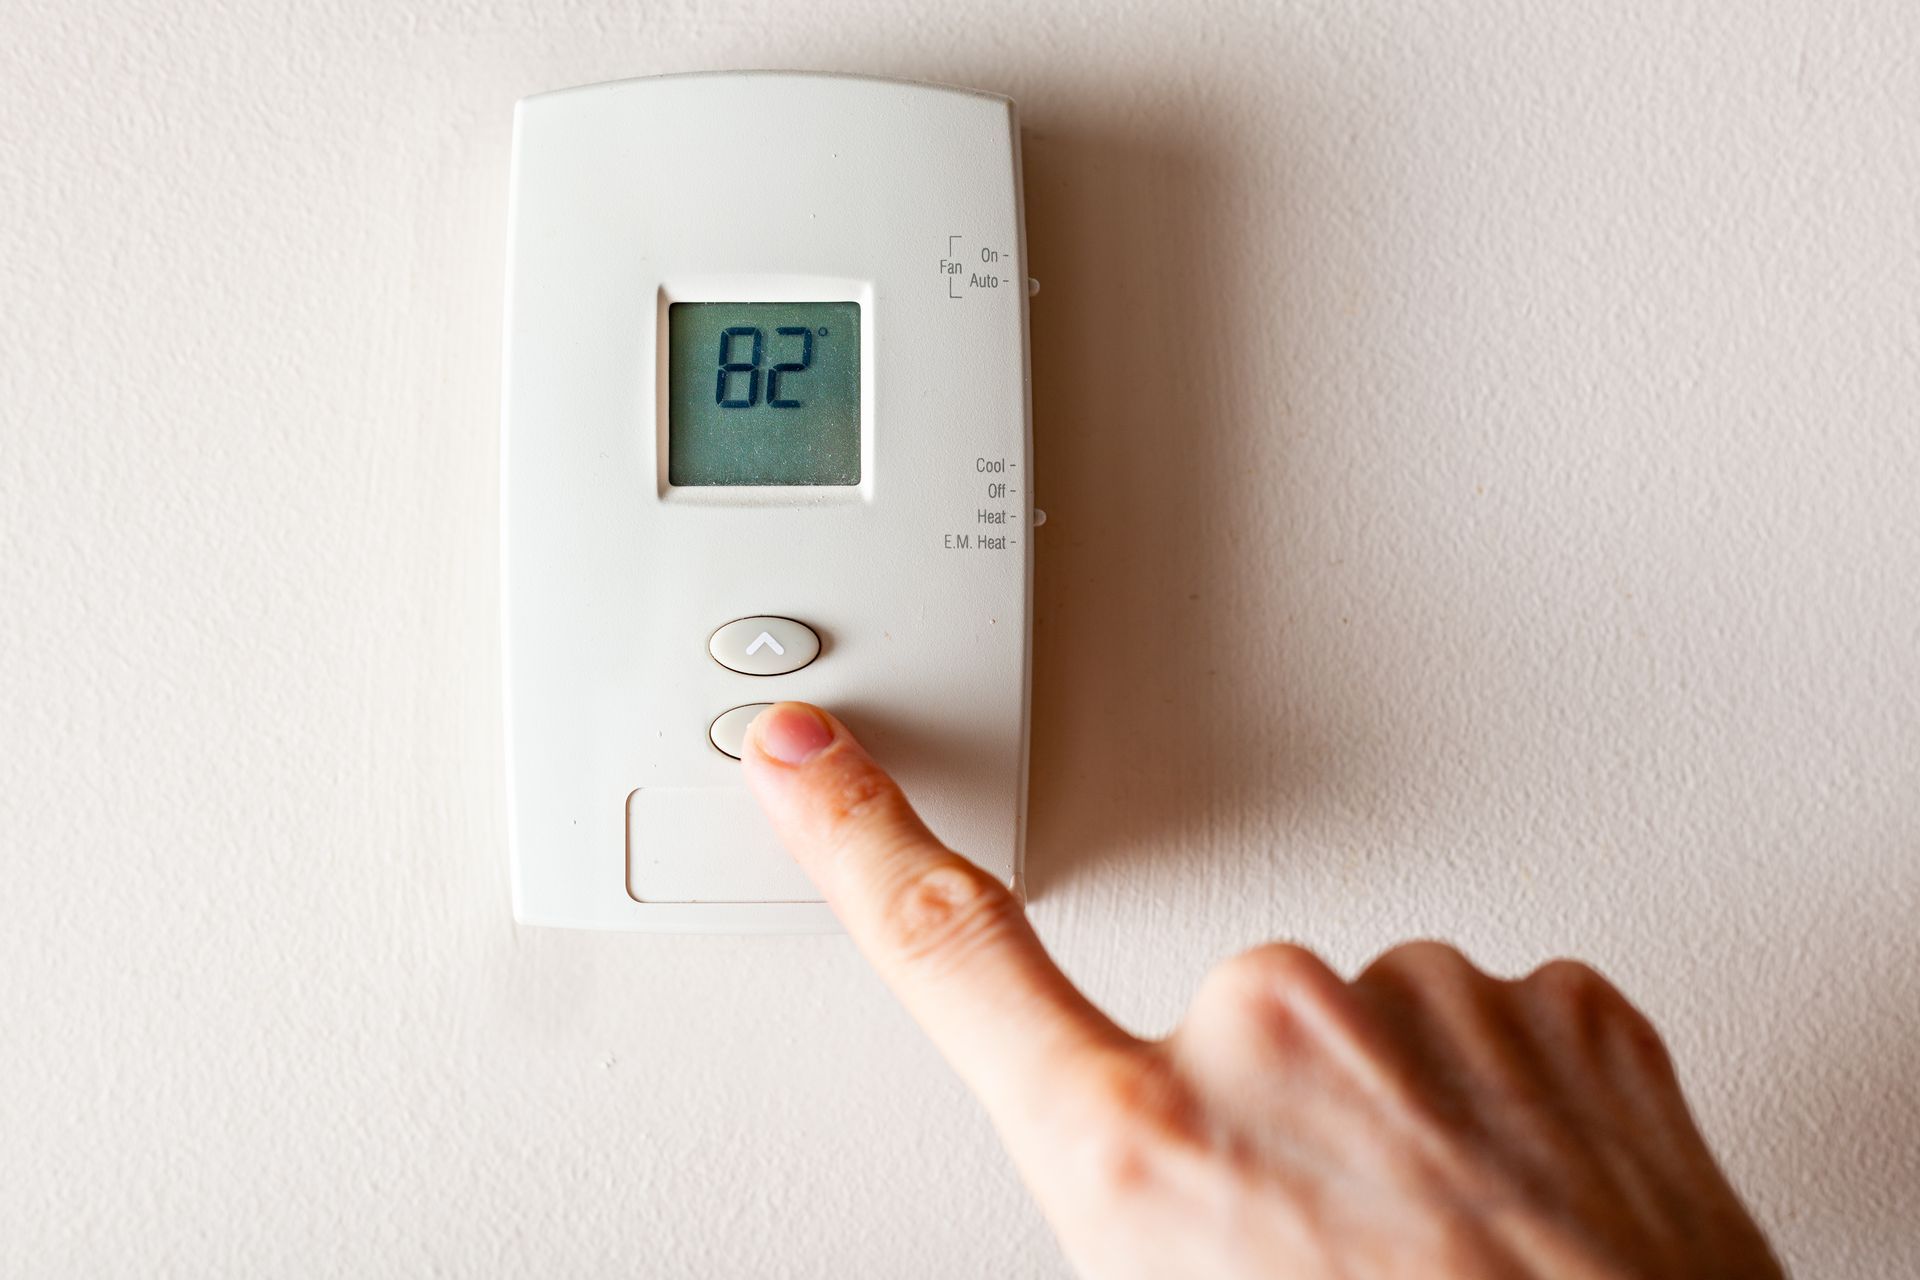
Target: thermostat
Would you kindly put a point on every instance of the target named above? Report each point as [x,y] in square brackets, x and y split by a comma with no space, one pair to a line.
[765,436]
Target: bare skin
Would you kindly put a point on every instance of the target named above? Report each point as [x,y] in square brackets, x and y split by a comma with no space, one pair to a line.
[1422,1120]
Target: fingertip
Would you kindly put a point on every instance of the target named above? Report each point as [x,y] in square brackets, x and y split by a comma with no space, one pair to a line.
[790,733]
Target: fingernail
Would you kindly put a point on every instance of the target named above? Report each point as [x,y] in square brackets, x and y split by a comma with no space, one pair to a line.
[792,732]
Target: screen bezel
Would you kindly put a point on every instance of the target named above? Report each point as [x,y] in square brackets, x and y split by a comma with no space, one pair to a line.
[763,288]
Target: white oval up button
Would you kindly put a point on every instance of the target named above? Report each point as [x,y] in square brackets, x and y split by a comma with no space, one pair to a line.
[764,646]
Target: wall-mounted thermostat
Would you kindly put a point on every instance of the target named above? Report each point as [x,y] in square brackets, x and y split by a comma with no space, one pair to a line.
[765,437]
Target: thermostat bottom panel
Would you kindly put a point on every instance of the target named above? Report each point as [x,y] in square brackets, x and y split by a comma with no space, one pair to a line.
[707,844]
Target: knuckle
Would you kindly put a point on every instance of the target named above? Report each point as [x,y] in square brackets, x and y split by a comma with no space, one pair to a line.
[1576,994]
[1420,963]
[862,809]
[1272,977]
[1642,1046]
[1566,984]
[1138,1118]
[1277,966]
[1585,1006]
[861,793]
[1280,997]
[946,910]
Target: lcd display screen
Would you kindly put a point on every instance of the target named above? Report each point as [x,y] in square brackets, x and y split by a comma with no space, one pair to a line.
[763,393]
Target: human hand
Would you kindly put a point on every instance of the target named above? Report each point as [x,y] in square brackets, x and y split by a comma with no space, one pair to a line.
[1423,1120]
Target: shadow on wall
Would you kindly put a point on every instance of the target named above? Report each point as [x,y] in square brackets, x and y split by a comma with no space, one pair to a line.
[1147,592]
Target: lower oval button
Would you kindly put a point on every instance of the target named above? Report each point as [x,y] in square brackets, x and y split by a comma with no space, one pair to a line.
[728,732]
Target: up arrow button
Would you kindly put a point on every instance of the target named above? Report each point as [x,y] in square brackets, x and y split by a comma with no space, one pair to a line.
[764,646]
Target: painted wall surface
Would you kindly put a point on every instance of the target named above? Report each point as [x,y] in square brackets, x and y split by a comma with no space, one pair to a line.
[1482,442]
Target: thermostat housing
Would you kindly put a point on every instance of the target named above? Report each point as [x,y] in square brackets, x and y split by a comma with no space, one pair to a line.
[765,436]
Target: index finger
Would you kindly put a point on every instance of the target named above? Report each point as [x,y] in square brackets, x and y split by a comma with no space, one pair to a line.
[951,941]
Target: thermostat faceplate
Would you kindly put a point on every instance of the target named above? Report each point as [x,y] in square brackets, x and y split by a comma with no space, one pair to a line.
[833,466]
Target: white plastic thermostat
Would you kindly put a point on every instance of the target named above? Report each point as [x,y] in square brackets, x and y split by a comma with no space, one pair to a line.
[765,436]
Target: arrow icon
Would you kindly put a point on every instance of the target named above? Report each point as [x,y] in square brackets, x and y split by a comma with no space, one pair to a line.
[766,639]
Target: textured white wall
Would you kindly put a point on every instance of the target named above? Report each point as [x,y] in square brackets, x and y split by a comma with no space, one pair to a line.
[1481,446]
